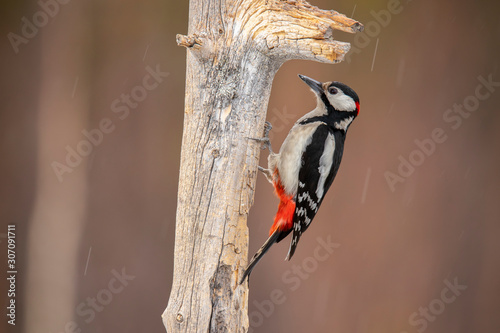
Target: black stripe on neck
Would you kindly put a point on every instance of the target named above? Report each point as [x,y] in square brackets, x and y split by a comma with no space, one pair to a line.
[326,102]
[313,119]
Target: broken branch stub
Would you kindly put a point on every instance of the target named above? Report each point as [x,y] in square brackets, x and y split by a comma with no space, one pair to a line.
[285,30]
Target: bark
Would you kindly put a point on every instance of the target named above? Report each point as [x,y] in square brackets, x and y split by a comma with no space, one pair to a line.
[234,51]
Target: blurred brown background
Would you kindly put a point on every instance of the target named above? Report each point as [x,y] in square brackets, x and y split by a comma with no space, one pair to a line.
[411,254]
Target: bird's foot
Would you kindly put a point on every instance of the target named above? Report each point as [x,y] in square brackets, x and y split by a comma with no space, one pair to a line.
[267,173]
[266,142]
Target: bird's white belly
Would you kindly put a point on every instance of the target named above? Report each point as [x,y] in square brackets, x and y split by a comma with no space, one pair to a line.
[290,155]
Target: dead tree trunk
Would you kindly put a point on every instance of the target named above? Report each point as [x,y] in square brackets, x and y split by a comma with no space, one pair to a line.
[234,50]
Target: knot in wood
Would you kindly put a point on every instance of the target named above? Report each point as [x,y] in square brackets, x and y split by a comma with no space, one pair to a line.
[187,41]
[272,41]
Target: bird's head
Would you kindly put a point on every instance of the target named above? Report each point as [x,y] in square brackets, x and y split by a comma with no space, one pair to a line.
[335,99]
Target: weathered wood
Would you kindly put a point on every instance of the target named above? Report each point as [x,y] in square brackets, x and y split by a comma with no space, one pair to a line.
[234,50]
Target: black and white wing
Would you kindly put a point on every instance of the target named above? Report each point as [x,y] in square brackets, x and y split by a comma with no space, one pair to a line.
[320,162]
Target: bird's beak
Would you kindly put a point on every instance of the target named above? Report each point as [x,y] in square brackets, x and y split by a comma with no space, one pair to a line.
[316,86]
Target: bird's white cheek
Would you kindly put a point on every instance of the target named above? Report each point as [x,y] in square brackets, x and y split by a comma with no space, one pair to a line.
[342,102]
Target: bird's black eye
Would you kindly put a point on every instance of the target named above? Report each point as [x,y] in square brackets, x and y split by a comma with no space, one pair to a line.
[333,90]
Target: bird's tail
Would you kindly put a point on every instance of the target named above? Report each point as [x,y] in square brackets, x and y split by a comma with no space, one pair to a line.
[264,248]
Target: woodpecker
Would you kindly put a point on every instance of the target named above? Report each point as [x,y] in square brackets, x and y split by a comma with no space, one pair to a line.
[307,162]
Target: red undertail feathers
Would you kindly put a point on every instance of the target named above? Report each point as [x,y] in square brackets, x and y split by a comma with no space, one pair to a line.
[284,217]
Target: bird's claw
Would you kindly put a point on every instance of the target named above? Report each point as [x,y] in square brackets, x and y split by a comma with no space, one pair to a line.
[267,128]
[267,173]
[266,142]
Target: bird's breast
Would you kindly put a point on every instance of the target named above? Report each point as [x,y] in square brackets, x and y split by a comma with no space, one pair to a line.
[290,155]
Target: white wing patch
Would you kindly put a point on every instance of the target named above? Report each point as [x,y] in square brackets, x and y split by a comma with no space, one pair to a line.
[325,164]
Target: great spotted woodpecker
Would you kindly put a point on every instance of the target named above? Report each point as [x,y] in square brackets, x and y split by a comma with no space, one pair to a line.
[307,162]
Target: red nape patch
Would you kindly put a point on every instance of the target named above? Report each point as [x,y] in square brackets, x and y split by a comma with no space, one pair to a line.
[286,210]
[357,108]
